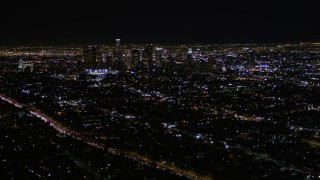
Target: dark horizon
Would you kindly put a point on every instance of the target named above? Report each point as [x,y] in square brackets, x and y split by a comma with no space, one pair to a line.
[47,44]
[161,22]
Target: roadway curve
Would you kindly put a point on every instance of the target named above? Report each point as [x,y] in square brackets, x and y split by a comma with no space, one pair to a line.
[130,155]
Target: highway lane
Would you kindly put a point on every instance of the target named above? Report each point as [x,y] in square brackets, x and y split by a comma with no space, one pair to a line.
[167,166]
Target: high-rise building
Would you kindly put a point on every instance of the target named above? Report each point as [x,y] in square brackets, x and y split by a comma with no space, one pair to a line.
[117,56]
[135,58]
[147,56]
[92,56]
[118,44]
[159,59]
[107,60]
[189,61]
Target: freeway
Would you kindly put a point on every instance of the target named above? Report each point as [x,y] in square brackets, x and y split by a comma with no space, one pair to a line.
[164,166]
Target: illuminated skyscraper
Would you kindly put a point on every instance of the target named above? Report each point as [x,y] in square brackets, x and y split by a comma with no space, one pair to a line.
[118,44]
[159,56]
[147,57]
[92,56]
[189,62]
[117,56]
[135,54]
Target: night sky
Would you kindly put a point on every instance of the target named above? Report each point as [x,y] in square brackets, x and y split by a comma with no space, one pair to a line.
[161,21]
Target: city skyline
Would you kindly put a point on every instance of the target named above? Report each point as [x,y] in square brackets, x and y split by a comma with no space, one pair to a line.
[223,111]
[160,90]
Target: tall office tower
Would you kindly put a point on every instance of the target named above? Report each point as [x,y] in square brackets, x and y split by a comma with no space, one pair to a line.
[170,65]
[117,56]
[107,60]
[92,56]
[189,59]
[104,57]
[118,44]
[159,59]
[135,60]
[251,59]
[147,56]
